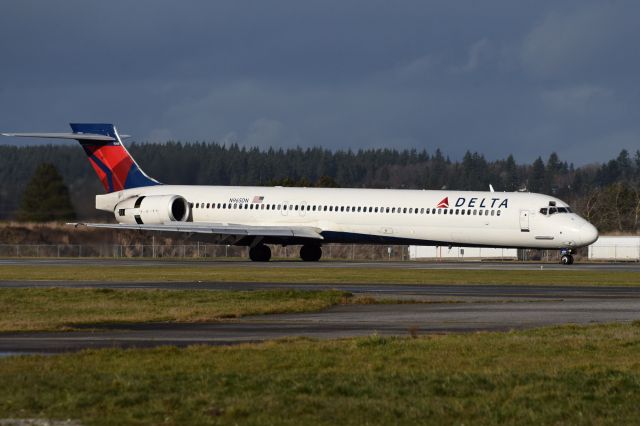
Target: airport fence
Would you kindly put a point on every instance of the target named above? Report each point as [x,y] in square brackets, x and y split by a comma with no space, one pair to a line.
[197,251]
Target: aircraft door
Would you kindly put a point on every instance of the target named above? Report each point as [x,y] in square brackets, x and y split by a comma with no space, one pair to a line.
[524,220]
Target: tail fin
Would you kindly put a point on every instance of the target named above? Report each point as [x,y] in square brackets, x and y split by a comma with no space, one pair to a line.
[110,159]
[112,162]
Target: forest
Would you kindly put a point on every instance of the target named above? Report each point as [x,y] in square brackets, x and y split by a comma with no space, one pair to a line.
[607,193]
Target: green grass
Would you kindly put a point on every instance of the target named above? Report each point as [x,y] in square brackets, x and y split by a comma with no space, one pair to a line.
[218,273]
[562,375]
[61,309]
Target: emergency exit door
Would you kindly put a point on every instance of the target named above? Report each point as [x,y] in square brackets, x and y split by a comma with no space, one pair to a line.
[524,220]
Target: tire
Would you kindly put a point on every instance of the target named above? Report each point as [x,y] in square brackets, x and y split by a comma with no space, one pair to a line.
[310,253]
[566,259]
[260,253]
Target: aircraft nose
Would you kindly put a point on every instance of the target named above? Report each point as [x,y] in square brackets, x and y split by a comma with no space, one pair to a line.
[588,234]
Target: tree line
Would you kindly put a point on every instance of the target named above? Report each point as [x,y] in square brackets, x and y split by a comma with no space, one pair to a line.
[606,193]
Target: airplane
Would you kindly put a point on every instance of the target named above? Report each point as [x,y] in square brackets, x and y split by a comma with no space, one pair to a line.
[257,216]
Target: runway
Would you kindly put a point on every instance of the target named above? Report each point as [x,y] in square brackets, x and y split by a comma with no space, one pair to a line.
[443,309]
[414,265]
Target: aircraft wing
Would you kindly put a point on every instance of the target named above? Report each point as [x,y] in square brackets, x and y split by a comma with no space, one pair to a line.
[224,229]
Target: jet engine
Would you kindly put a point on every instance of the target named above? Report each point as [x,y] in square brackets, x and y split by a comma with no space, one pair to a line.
[153,209]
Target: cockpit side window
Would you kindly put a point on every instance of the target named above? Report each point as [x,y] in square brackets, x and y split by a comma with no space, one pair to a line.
[562,210]
[552,210]
[543,211]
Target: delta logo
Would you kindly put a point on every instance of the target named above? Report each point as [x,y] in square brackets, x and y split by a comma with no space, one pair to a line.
[475,202]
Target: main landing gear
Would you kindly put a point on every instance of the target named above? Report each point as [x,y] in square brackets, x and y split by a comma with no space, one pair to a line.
[310,253]
[566,257]
[260,253]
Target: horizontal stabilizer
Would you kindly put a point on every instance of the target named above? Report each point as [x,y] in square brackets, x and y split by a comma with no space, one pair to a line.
[76,136]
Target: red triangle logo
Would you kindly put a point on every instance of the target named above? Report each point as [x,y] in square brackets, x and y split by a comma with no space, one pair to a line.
[444,203]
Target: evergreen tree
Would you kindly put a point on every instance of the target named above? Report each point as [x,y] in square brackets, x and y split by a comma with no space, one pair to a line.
[326,182]
[537,179]
[46,197]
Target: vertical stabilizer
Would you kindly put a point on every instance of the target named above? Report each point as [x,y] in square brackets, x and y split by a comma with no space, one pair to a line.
[111,161]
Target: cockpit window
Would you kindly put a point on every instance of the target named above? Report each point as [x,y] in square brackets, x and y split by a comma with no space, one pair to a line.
[553,210]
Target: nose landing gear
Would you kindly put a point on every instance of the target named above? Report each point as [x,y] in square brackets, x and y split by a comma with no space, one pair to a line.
[566,257]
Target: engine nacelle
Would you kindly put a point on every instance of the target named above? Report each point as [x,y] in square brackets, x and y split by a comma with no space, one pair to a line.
[153,209]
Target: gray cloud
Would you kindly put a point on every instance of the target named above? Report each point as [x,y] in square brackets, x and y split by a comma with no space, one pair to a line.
[496,77]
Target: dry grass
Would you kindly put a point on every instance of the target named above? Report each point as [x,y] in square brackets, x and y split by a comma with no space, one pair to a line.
[255,273]
[62,309]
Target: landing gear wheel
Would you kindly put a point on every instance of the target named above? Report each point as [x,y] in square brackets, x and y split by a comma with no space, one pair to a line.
[260,253]
[310,253]
[566,259]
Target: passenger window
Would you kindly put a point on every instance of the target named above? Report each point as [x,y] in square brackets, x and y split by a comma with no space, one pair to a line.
[486,212]
[404,210]
[492,212]
[498,213]
[411,210]
[341,208]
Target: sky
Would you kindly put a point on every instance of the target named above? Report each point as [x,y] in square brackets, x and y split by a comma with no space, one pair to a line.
[497,77]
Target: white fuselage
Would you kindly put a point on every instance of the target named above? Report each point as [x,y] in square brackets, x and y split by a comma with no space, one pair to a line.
[496,219]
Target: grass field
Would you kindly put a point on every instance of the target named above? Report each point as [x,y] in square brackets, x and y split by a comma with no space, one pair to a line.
[562,375]
[61,309]
[316,275]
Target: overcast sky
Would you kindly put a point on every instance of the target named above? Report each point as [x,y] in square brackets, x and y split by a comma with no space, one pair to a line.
[497,77]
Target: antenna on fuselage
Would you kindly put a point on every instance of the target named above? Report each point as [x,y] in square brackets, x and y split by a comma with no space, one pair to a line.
[491,188]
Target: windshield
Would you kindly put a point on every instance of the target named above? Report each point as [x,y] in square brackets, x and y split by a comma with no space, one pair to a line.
[548,211]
